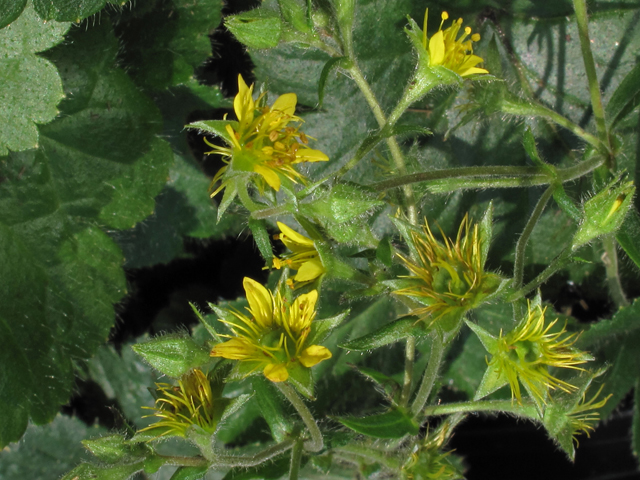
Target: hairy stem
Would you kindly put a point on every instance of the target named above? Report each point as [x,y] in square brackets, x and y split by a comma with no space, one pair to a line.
[610,260]
[556,264]
[296,456]
[409,357]
[494,176]
[185,461]
[526,409]
[518,268]
[316,443]
[371,454]
[430,375]
[253,460]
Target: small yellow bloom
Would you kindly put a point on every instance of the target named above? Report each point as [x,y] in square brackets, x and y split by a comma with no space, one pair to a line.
[273,336]
[583,416]
[448,51]
[303,257]
[264,142]
[525,355]
[189,403]
[449,278]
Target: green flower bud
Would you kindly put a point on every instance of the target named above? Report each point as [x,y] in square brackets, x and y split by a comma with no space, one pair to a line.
[605,212]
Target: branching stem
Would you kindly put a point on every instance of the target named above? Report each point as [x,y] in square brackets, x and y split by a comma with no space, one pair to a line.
[527,409]
[430,375]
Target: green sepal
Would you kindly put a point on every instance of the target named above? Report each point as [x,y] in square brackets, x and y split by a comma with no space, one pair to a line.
[215,127]
[342,203]
[336,267]
[230,193]
[485,230]
[273,408]
[321,329]
[384,252]
[489,342]
[271,470]
[173,355]
[231,407]
[241,370]
[209,328]
[262,238]
[302,379]
[406,230]
[604,212]
[257,28]
[190,473]
[384,383]
[114,449]
[557,414]
[331,65]
[492,380]
[87,471]
[390,333]
[392,424]
[625,98]
[295,14]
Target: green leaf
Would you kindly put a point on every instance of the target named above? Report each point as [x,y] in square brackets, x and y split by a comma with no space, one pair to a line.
[635,426]
[23,108]
[114,449]
[190,473]
[390,333]
[342,203]
[258,28]
[321,329]
[134,192]
[66,11]
[163,45]
[384,253]
[10,10]
[48,451]
[625,98]
[172,355]
[267,471]
[392,424]
[302,379]
[273,408]
[215,127]
[87,471]
[331,65]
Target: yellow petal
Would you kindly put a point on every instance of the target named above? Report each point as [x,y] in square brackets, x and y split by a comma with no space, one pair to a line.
[285,104]
[309,270]
[276,372]
[310,155]
[243,103]
[260,302]
[436,49]
[473,70]
[233,349]
[269,175]
[294,236]
[313,355]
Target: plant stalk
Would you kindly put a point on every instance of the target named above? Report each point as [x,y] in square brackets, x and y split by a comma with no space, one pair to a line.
[247,461]
[610,260]
[430,375]
[316,443]
[409,358]
[527,409]
[296,456]
[371,454]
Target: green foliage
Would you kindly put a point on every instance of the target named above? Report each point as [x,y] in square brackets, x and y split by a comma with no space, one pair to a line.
[97,175]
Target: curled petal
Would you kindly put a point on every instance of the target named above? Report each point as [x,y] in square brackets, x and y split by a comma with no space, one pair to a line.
[276,372]
[260,302]
[313,355]
[309,271]
[234,349]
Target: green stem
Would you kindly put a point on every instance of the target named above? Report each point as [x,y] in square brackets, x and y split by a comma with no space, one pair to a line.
[247,461]
[495,176]
[316,443]
[527,409]
[371,454]
[518,268]
[185,461]
[394,148]
[271,212]
[556,264]
[296,456]
[580,7]
[430,375]
[610,260]
[409,357]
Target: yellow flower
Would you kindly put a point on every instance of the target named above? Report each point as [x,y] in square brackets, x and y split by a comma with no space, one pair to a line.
[273,336]
[191,402]
[264,142]
[583,416]
[448,51]
[525,355]
[449,278]
[303,257]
